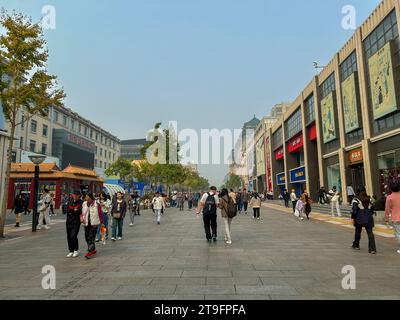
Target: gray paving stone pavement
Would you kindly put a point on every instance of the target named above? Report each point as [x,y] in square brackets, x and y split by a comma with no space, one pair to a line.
[276,258]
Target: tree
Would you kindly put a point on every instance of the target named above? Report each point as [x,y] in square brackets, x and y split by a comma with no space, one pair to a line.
[233,182]
[122,168]
[25,85]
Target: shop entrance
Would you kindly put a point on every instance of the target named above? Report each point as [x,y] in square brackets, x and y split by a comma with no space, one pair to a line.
[357,175]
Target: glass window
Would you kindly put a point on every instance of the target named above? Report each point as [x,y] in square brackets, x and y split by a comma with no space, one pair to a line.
[86,131]
[33,126]
[79,128]
[334,177]
[309,110]
[349,66]
[95,163]
[72,124]
[97,136]
[21,143]
[101,152]
[45,130]
[44,148]
[55,119]
[277,138]
[328,86]
[389,167]
[65,121]
[101,164]
[22,122]
[32,146]
[294,124]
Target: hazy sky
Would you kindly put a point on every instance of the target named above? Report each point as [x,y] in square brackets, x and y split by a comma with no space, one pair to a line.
[127,64]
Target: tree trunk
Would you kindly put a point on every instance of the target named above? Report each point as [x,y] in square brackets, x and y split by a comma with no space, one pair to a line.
[3,213]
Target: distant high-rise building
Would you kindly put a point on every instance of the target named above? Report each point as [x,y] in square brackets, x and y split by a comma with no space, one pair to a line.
[132,149]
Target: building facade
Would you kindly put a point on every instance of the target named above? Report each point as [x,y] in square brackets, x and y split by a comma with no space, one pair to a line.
[344,127]
[132,149]
[67,136]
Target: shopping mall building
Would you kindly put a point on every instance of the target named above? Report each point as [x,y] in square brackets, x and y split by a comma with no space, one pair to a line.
[344,127]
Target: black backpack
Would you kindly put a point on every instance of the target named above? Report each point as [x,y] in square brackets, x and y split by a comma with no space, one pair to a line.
[210,207]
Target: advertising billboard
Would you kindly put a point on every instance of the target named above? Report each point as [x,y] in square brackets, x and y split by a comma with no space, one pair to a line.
[382,86]
[298,175]
[328,118]
[350,103]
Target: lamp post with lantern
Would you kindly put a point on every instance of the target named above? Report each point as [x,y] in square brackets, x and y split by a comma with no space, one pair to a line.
[36,160]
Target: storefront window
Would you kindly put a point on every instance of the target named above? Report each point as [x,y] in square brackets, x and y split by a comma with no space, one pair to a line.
[389,167]
[334,177]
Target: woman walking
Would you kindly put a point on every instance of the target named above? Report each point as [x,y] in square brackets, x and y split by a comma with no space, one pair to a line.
[105,204]
[132,209]
[118,212]
[18,209]
[300,206]
[74,211]
[255,203]
[335,202]
[293,199]
[228,212]
[307,205]
[91,218]
[392,212]
[158,205]
[362,216]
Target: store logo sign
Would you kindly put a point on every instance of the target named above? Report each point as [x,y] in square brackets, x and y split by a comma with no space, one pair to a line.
[356,156]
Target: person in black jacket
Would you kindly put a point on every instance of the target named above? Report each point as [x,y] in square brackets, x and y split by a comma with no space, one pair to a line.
[286,198]
[362,216]
[74,224]
[18,209]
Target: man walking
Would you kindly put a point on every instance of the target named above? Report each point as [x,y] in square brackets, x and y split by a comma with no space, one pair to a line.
[208,204]
[245,200]
[294,199]
[350,193]
[286,198]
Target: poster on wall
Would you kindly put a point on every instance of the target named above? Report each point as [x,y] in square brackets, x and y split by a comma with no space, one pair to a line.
[382,82]
[350,104]
[328,118]
[260,157]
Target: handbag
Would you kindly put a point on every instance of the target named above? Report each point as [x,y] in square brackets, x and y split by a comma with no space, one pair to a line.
[297,213]
[116,215]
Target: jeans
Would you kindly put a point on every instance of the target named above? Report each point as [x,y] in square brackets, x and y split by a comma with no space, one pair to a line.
[90,236]
[337,205]
[98,235]
[72,237]
[117,227]
[227,223]
[396,227]
[158,215]
[239,206]
[371,237]
[256,212]
[245,204]
[294,205]
[132,215]
[210,221]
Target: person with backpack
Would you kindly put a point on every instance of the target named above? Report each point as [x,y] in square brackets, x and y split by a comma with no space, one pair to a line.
[245,200]
[307,204]
[158,206]
[18,208]
[255,203]
[228,212]
[362,215]
[208,205]
[91,218]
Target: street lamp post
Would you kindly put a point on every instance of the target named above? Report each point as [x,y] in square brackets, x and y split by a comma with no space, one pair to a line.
[37,160]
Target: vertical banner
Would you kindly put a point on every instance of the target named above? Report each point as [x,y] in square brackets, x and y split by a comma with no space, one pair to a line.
[350,103]
[383,92]
[328,118]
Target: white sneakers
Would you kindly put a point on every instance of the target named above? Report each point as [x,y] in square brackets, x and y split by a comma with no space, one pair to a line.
[73,254]
[228,242]
[119,238]
[398,251]
[131,224]
[46,227]
[113,239]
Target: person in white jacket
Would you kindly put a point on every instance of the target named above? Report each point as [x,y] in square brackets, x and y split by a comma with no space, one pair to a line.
[158,205]
[335,202]
[294,199]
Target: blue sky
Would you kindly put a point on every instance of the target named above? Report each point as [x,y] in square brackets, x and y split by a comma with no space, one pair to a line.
[127,64]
